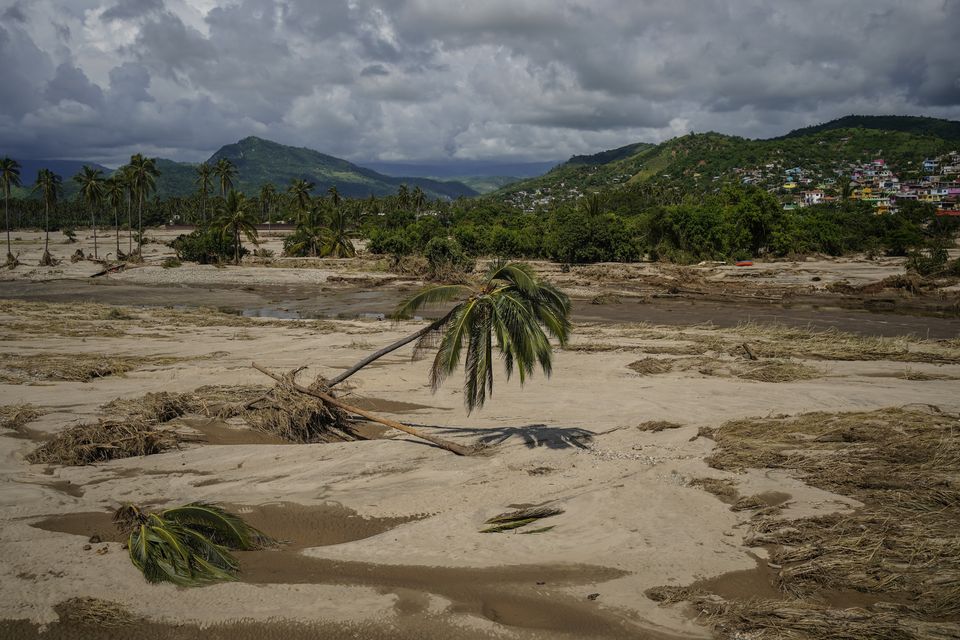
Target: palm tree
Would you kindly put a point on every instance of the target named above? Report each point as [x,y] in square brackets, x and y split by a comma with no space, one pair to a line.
[403,197]
[309,237]
[419,198]
[235,219]
[114,193]
[336,237]
[188,545]
[509,306]
[299,190]
[125,175]
[226,172]
[267,193]
[203,180]
[92,186]
[143,173]
[334,196]
[9,177]
[49,185]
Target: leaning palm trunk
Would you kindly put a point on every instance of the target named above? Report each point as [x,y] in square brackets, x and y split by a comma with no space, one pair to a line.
[376,355]
[453,447]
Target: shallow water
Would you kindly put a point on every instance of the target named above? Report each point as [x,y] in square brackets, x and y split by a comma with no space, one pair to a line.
[307,302]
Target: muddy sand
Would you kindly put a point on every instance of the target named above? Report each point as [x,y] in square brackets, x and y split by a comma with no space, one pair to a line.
[382,535]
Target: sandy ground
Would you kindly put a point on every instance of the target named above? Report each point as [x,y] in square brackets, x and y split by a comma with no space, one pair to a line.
[631,521]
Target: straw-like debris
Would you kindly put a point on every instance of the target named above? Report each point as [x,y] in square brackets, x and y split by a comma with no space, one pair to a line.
[766,371]
[15,416]
[521,518]
[656,426]
[900,551]
[94,612]
[105,440]
[75,367]
[724,489]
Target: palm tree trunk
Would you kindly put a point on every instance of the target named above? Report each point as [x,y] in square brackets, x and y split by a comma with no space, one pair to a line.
[6,216]
[116,224]
[129,223]
[140,224]
[46,242]
[93,218]
[453,447]
[376,355]
[236,245]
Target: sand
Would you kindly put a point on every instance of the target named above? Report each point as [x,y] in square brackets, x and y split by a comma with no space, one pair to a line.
[407,557]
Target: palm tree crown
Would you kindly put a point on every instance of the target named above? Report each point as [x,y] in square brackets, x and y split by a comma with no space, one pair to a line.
[225,172]
[509,306]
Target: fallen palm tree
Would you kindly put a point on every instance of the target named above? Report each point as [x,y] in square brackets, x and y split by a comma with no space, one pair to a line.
[509,307]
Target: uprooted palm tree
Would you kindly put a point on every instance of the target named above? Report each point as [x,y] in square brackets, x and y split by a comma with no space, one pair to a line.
[509,307]
[188,545]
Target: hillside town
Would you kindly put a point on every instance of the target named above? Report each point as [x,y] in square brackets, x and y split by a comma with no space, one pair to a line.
[875,182]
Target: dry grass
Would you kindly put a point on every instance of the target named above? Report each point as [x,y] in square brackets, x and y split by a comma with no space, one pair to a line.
[902,548]
[75,367]
[656,426]
[724,489]
[94,612]
[104,440]
[15,416]
[292,416]
[770,371]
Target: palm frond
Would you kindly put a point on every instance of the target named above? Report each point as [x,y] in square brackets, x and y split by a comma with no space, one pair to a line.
[188,545]
[517,274]
[431,294]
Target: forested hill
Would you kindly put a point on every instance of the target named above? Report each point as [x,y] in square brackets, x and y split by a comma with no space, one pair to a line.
[917,125]
[701,163]
[259,161]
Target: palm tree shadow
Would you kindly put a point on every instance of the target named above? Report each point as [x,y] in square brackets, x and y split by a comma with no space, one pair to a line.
[532,435]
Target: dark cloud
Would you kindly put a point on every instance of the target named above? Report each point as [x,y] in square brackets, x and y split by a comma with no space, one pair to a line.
[131,9]
[405,79]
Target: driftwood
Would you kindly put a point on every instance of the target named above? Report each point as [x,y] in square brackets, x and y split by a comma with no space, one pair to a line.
[748,351]
[453,447]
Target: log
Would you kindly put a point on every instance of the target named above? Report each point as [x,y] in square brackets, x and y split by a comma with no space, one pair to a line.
[453,447]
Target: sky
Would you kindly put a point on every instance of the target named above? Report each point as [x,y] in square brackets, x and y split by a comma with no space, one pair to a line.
[455,80]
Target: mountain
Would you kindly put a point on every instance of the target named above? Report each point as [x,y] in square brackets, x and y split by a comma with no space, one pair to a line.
[917,125]
[454,169]
[699,163]
[259,161]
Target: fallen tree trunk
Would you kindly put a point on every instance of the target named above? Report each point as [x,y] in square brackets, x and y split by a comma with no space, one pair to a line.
[453,447]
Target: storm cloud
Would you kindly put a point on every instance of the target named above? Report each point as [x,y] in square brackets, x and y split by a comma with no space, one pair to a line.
[504,80]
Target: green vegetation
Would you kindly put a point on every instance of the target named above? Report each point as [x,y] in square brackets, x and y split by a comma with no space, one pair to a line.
[188,545]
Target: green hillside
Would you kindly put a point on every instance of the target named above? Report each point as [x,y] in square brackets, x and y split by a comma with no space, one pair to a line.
[259,161]
[700,163]
[917,125]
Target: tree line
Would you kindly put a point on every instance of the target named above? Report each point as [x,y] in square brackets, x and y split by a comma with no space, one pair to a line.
[628,224]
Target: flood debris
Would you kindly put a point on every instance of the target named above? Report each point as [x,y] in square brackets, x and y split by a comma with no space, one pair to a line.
[521,518]
[16,416]
[898,555]
[105,440]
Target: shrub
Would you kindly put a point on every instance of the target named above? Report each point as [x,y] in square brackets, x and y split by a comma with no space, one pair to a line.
[205,246]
